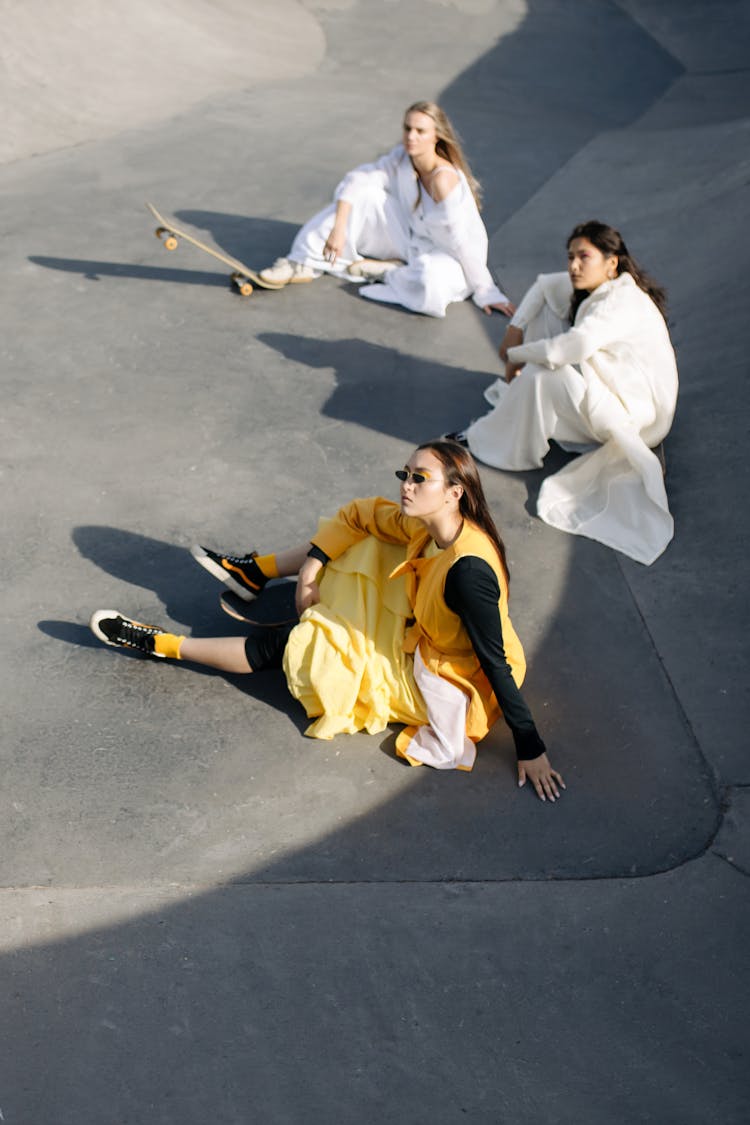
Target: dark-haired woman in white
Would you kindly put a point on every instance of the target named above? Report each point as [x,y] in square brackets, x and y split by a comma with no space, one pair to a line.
[590,365]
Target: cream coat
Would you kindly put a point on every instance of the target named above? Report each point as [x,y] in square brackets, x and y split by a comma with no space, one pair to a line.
[609,382]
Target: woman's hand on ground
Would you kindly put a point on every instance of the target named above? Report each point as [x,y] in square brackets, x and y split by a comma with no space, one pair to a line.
[507,308]
[545,780]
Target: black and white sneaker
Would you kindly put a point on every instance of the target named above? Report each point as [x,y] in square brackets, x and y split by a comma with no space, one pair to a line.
[115,629]
[240,573]
[459,436]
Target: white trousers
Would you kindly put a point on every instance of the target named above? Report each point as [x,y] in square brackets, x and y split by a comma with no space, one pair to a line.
[428,283]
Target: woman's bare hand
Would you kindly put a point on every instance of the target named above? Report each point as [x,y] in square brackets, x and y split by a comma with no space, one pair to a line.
[541,775]
[512,338]
[507,308]
[334,244]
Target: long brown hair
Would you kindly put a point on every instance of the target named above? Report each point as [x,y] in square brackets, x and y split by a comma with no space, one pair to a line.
[611,243]
[460,468]
[448,143]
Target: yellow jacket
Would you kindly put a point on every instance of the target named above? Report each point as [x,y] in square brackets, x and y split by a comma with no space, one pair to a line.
[442,639]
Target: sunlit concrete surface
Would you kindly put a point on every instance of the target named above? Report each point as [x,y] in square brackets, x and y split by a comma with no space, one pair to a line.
[204,915]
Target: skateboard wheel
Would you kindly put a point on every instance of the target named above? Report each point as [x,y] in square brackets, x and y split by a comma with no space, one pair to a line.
[245,287]
[170,243]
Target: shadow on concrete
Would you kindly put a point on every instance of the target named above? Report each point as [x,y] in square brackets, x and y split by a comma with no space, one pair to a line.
[534,76]
[251,240]
[95,270]
[166,569]
[385,389]
[255,241]
[445,809]
[608,1002]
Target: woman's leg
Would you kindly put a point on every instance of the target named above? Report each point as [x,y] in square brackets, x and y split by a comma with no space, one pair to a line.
[248,574]
[288,562]
[537,406]
[427,284]
[376,229]
[239,655]
[225,653]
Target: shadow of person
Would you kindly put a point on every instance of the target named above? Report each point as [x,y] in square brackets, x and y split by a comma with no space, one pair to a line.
[189,595]
[533,479]
[384,389]
[525,74]
[165,568]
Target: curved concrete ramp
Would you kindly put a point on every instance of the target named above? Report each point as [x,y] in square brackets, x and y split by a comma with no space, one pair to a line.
[205,916]
[99,69]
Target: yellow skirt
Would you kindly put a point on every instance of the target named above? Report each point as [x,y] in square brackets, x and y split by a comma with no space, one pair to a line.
[345,664]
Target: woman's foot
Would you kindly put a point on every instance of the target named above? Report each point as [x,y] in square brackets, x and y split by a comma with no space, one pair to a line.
[373,269]
[112,627]
[286,272]
[240,573]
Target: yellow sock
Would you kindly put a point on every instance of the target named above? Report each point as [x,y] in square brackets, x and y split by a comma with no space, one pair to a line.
[267,565]
[168,644]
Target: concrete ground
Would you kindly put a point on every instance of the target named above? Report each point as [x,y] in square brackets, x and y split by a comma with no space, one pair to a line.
[206,917]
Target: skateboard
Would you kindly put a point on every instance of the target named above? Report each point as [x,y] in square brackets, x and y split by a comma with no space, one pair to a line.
[273,606]
[242,276]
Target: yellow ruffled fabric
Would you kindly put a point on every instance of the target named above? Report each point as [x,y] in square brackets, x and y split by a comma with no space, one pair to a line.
[346,666]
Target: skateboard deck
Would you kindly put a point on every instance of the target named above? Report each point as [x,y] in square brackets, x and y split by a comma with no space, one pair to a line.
[243,277]
[273,606]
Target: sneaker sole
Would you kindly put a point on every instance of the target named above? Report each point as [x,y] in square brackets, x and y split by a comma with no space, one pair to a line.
[217,571]
[283,284]
[101,615]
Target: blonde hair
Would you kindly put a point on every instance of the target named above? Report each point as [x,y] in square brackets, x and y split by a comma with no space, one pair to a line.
[448,143]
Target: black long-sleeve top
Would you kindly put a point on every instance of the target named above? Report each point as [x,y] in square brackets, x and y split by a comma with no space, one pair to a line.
[472,592]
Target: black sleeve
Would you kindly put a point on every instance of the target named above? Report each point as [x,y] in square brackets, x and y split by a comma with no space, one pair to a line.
[317,553]
[472,592]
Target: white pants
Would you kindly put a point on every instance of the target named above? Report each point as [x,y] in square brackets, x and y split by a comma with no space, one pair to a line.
[377,228]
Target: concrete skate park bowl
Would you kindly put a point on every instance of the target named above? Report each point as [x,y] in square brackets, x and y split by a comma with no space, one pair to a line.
[206,916]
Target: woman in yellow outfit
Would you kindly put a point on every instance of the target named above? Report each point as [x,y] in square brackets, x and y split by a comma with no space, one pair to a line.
[403,618]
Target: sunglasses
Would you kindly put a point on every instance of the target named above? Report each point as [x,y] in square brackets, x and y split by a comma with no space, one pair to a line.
[416,478]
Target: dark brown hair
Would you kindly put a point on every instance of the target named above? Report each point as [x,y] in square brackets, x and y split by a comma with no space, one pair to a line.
[611,243]
[461,468]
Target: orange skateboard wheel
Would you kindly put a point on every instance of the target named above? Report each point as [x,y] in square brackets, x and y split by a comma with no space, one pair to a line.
[243,284]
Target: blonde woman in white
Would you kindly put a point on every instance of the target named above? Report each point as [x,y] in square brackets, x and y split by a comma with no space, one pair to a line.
[589,364]
[408,223]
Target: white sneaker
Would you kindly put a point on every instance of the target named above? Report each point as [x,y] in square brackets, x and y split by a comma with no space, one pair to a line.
[286,272]
[372,269]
